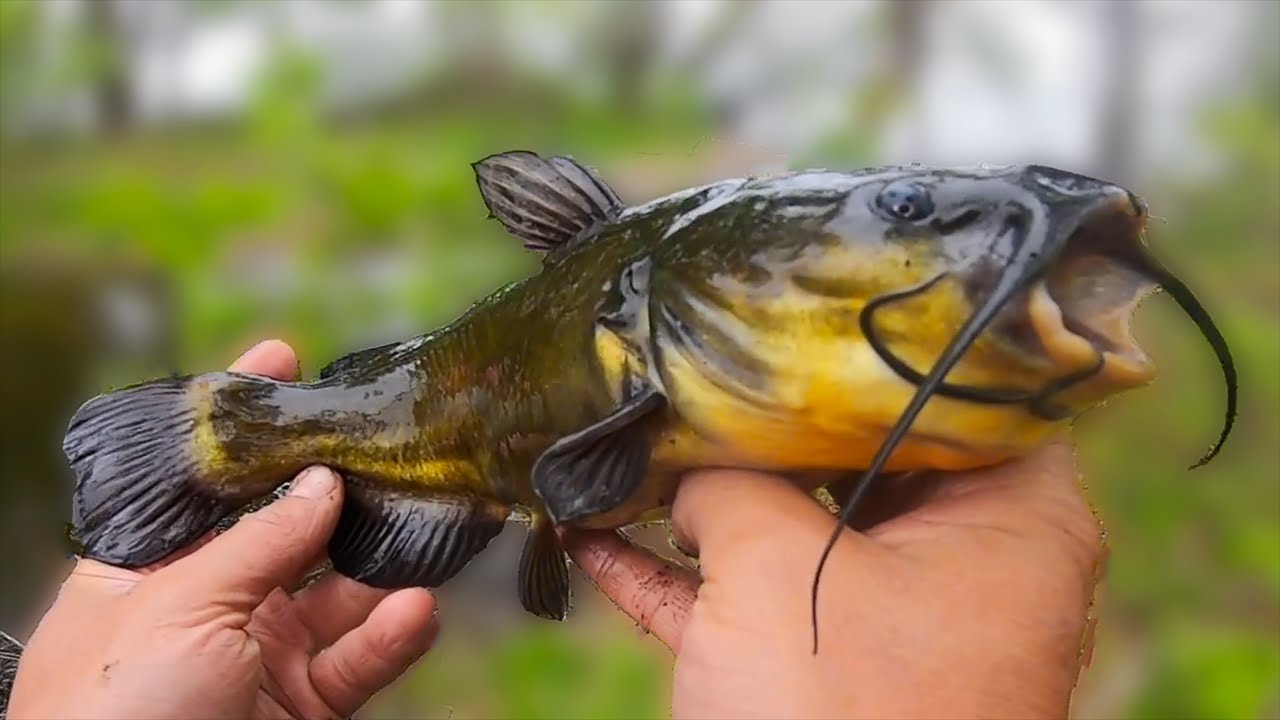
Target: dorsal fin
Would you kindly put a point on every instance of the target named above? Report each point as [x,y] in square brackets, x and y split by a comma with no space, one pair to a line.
[546,202]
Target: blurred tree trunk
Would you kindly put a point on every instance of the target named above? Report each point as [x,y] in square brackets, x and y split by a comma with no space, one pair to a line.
[727,25]
[906,36]
[113,96]
[629,48]
[1117,152]
[906,30]
[892,84]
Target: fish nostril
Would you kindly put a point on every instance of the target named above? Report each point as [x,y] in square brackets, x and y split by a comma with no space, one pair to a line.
[1067,183]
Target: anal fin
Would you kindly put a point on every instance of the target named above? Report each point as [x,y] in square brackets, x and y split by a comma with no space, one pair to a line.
[544,572]
[599,467]
[389,538]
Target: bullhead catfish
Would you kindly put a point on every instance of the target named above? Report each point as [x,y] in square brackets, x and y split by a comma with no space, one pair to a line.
[822,325]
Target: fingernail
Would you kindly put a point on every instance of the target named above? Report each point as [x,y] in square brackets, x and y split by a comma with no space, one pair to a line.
[314,483]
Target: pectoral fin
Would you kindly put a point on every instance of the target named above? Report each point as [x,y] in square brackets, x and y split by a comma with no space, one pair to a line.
[596,469]
[391,539]
[544,572]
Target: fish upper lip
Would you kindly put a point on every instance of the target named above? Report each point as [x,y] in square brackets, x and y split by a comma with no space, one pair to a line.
[1084,304]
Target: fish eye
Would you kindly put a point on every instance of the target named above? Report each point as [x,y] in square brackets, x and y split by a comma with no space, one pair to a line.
[905,200]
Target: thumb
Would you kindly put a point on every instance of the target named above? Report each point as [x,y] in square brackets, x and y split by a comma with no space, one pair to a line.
[744,522]
[266,549]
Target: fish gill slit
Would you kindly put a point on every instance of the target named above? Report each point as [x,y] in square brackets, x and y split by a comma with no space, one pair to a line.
[726,373]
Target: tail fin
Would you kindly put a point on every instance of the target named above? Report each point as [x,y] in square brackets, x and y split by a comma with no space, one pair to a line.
[137,467]
[10,654]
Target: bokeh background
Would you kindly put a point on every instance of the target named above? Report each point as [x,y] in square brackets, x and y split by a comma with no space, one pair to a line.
[181,179]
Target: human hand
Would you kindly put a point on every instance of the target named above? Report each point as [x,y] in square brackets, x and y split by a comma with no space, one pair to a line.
[963,596]
[210,633]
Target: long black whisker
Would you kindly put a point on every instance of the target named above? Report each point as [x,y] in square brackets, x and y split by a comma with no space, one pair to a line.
[1038,402]
[866,319]
[1023,266]
[1040,405]
[1144,263]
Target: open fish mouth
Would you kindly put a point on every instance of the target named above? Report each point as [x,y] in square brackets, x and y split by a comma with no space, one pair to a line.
[1082,309]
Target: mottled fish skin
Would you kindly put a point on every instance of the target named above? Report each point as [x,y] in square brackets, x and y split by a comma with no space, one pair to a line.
[470,407]
[467,408]
[778,323]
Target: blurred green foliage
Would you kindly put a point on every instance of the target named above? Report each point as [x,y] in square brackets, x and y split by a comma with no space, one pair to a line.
[336,235]
[1194,580]
[595,670]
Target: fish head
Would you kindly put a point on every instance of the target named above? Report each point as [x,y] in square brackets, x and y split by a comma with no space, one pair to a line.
[1028,277]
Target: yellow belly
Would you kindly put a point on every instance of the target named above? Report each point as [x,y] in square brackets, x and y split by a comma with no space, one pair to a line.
[832,410]
[827,400]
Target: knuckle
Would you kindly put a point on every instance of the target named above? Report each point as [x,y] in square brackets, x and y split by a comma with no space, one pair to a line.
[652,593]
[1085,531]
[661,597]
[380,645]
[286,521]
[343,672]
[1081,531]
[601,558]
[605,566]
[347,671]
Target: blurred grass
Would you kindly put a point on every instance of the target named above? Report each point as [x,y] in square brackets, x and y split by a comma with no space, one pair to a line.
[340,235]
[593,670]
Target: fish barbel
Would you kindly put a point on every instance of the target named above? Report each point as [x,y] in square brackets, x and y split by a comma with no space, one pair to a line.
[822,325]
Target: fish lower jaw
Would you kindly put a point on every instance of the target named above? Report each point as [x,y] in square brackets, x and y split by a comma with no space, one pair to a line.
[1124,364]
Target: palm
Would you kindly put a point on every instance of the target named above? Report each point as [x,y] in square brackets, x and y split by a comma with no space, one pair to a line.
[976,586]
[284,644]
